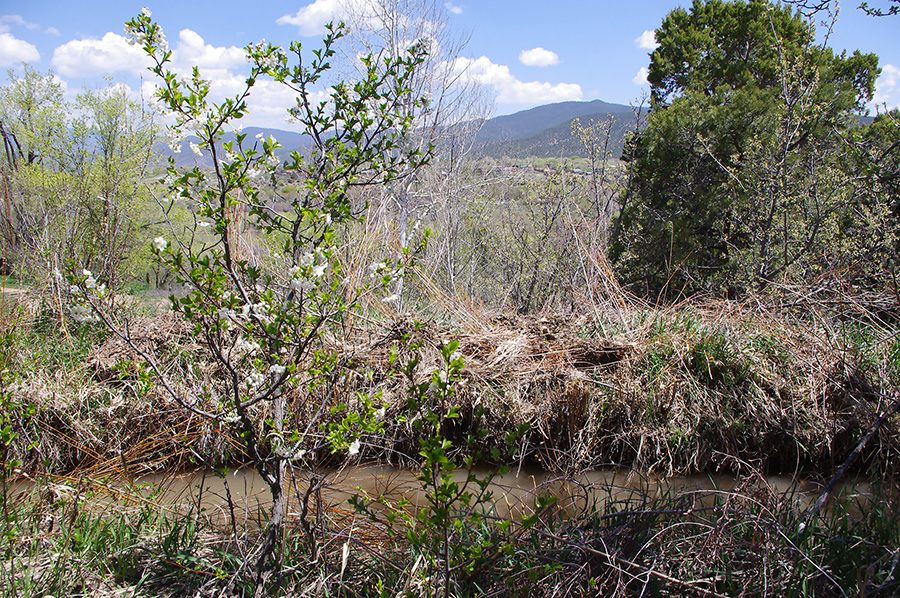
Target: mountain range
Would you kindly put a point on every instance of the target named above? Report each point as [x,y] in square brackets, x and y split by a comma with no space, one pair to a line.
[544,131]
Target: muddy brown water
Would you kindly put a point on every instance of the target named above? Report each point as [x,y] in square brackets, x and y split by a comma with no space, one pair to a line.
[244,494]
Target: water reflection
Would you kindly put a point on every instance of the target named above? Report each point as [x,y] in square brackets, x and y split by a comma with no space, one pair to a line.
[513,494]
[242,495]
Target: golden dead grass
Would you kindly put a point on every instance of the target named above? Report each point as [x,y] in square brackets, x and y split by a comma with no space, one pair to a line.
[682,389]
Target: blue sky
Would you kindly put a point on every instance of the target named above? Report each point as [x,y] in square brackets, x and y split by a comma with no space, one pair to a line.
[522,53]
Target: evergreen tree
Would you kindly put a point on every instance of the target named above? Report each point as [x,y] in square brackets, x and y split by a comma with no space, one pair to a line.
[738,180]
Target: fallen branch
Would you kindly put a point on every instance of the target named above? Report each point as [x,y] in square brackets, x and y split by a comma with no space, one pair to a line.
[873,431]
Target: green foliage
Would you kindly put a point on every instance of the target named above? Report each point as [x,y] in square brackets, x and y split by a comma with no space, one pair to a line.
[456,533]
[76,171]
[717,44]
[739,178]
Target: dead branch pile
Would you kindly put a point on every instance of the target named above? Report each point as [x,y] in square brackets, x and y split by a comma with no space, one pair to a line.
[675,390]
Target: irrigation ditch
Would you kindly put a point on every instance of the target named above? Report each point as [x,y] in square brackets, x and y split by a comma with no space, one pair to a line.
[669,451]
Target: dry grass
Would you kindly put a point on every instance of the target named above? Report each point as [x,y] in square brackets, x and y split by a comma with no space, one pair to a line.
[673,390]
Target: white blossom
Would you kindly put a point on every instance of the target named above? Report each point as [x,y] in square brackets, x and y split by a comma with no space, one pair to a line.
[354,448]
[196,149]
[304,285]
[319,270]
[254,380]
[146,12]
[244,346]
[391,298]
[261,312]
[83,314]
[375,268]
[276,370]
[160,243]
[226,314]
[175,140]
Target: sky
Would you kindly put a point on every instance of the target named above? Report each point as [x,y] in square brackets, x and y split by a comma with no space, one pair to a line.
[522,53]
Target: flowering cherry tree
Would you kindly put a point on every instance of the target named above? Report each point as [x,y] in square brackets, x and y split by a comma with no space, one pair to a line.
[261,317]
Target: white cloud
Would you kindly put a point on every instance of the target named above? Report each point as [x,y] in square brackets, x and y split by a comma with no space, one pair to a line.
[14,51]
[15,20]
[641,77]
[646,40]
[269,101]
[887,87]
[90,57]
[312,18]
[52,31]
[509,89]
[457,10]
[192,51]
[538,57]
[113,53]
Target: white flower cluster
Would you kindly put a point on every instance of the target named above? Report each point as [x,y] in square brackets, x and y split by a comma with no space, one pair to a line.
[83,314]
[249,347]
[231,157]
[160,243]
[305,274]
[90,283]
[354,448]
[254,380]
[137,36]
[267,60]
[81,310]
[176,138]
[227,316]
[261,311]
[384,270]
